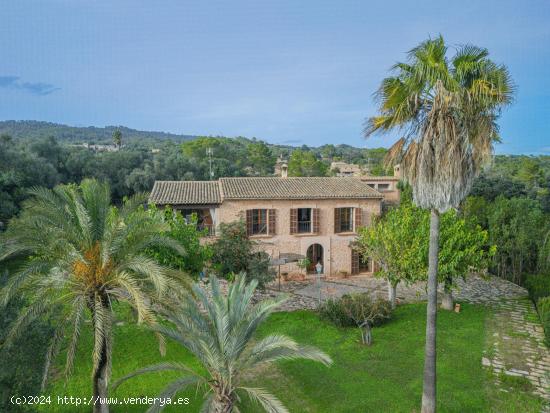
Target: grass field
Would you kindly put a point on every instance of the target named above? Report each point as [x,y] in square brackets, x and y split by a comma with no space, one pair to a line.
[385,377]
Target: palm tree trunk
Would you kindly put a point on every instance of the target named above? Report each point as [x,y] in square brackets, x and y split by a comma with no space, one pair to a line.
[223,403]
[429,391]
[101,380]
[100,375]
[392,293]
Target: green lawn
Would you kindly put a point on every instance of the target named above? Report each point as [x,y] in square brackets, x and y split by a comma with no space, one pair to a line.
[385,377]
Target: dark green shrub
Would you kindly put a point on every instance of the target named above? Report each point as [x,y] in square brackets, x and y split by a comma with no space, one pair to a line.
[543,308]
[333,311]
[197,253]
[260,269]
[22,364]
[538,286]
[352,310]
[234,252]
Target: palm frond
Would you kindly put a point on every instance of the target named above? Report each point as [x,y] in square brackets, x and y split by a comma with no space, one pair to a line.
[447,112]
[170,391]
[155,368]
[268,401]
[51,353]
[79,306]
[279,347]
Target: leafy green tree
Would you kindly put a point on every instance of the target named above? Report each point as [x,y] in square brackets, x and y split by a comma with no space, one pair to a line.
[196,254]
[21,372]
[396,243]
[222,338]
[329,151]
[544,253]
[234,252]
[463,249]
[304,163]
[491,187]
[82,255]
[399,241]
[20,169]
[475,210]
[529,172]
[261,159]
[519,227]
[449,108]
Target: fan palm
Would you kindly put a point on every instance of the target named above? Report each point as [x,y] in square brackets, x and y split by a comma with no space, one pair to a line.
[219,333]
[83,254]
[447,110]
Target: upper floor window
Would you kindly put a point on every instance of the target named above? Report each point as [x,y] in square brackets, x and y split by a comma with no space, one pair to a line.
[383,187]
[260,221]
[347,219]
[343,220]
[304,220]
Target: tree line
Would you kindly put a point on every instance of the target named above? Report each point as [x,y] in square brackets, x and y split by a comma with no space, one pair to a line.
[135,164]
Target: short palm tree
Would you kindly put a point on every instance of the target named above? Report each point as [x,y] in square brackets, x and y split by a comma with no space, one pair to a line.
[219,332]
[82,256]
[448,111]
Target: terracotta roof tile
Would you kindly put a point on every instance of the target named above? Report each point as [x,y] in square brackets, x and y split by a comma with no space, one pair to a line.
[379,178]
[214,192]
[185,192]
[296,188]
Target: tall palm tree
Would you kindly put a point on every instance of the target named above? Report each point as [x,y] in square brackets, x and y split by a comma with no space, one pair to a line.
[83,255]
[117,138]
[447,109]
[219,332]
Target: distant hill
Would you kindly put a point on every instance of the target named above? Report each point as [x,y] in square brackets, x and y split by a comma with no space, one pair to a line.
[76,134]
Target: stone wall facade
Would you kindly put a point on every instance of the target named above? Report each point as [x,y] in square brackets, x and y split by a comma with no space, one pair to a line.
[337,253]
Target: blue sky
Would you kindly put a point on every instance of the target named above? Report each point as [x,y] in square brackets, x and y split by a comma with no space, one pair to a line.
[295,72]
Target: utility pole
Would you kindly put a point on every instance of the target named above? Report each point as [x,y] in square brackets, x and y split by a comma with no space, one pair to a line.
[211,172]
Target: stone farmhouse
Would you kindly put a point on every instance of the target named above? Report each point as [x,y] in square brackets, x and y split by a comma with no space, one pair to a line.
[341,168]
[315,217]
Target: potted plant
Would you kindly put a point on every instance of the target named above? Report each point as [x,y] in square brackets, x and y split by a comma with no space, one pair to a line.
[303,264]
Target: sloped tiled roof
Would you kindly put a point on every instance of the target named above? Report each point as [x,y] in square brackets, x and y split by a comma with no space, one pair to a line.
[214,192]
[296,188]
[379,178]
[185,192]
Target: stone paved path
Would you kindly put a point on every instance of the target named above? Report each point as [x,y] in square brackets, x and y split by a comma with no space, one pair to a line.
[475,289]
[516,347]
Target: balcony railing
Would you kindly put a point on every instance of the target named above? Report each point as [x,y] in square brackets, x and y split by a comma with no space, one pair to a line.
[304,226]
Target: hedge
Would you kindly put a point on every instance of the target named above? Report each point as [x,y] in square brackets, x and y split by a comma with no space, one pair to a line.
[543,307]
[538,286]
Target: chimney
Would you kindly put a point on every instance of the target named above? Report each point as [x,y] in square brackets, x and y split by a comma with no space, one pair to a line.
[284,170]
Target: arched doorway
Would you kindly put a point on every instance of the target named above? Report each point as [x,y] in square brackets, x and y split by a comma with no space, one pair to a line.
[315,255]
